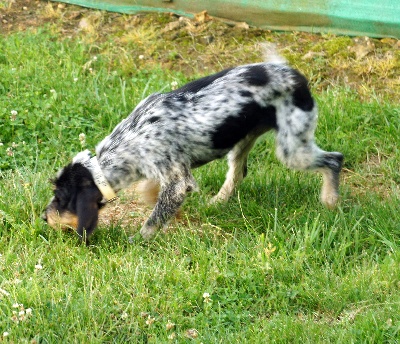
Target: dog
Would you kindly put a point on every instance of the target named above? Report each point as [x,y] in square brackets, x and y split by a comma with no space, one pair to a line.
[169,134]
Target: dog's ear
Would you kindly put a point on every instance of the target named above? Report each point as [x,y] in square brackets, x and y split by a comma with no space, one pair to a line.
[87,209]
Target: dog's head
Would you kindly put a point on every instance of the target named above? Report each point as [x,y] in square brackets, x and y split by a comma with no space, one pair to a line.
[77,199]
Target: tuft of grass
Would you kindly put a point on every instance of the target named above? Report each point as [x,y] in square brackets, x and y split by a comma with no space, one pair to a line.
[49,12]
[271,265]
[6,4]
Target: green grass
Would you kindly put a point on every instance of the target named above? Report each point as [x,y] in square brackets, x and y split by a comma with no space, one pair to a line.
[277,265]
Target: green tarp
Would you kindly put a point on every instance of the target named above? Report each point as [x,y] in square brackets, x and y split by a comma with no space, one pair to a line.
[354,17]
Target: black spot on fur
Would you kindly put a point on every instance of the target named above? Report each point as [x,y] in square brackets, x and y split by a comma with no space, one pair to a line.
[180,98]
[333,160]
[246,94]
[245,169]
[301,96]
[153,119]
[285,152]
[256,75]
[174,103]
[123,169]
[196,85]
[236,127]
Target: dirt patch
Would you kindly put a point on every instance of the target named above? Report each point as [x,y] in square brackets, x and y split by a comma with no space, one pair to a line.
[132,208]
[127,211]
[370,177]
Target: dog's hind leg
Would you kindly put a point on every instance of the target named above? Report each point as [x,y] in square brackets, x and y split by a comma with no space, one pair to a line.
[296,149]
[171,196]
[330,165]
[237,162]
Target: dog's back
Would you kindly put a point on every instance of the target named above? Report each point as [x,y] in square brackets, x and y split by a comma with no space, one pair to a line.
[206,118]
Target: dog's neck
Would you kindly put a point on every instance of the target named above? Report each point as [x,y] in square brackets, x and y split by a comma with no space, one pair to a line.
[100,180]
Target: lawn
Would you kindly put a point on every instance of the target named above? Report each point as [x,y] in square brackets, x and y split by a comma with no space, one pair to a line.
[271,265]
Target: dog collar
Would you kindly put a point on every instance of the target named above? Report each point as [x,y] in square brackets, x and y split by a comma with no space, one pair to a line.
[100,180]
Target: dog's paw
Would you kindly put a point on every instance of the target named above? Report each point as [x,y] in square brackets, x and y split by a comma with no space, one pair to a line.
[330,199]
[135,239]
[218,199]
[148,232]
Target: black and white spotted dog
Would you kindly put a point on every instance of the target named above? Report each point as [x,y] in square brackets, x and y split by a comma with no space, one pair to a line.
[168,134]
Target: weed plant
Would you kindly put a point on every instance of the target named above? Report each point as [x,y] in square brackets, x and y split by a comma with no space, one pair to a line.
[270,266]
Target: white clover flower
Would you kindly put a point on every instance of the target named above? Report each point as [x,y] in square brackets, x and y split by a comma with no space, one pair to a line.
[174,85]
[4,292]
[170,325]
[9,151]
[6,334]
[38,266]
[15,317]
[13,116]
[192,333]
[150,320]
[206,298]
[28,311]
[141,57]
[82,139]
[76,79]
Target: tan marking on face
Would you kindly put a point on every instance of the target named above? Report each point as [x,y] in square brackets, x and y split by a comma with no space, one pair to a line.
[63,221]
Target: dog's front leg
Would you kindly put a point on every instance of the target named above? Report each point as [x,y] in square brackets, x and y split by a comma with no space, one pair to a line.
[169,200]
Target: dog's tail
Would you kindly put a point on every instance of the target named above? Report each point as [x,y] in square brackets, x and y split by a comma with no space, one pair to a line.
[271,54]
